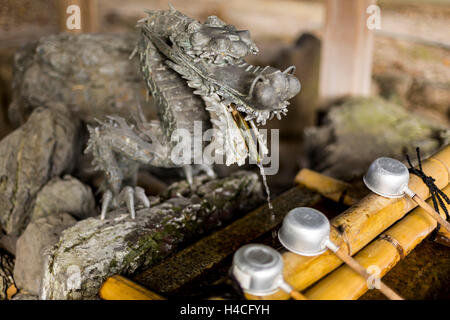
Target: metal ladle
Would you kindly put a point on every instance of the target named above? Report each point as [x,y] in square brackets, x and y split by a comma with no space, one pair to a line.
[259,270]
[389,178]
[306,231]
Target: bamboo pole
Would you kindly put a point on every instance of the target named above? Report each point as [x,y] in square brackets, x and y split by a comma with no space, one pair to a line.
[83,11]
[297,295]
[440,218]
[343,192]
[385,252]
[360,224]
[11,292]
[362,271]
[330,188]
[121,288]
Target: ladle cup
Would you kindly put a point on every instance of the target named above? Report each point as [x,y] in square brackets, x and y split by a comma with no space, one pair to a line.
[259,270]
[306,231]
[389,178]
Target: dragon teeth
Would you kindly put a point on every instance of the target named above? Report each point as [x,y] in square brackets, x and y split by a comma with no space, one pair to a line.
[249,117]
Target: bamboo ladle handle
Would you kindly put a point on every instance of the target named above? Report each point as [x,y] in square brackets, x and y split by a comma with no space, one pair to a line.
[292,292]
[297,295]
[436,216]
[352,263]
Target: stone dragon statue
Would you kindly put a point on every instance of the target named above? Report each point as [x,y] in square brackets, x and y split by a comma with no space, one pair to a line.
[196,73]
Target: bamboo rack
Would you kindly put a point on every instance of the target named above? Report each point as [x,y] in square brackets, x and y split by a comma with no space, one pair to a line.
[359,225]
[385,252]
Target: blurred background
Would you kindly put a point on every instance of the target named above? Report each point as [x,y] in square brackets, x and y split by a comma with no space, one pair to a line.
[375,81]
[404,61]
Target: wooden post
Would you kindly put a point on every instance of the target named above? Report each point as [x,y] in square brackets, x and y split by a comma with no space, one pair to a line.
[346,58]
[78,16]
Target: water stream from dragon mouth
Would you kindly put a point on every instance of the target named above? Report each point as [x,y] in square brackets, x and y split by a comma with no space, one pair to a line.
[269,202]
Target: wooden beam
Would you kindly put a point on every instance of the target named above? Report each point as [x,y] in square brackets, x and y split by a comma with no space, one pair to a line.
[329,187]
[347,49]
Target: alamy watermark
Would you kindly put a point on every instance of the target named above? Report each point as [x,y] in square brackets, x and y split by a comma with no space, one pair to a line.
[374,282]
[73,21]
[73,281]
[373,22]
[202,147]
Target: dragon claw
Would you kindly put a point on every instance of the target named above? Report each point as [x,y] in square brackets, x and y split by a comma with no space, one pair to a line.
[106,200]
[142,197]
[128,196]
[188,173]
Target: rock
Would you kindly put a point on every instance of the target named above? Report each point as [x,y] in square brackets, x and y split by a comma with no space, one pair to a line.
[8,243]
[44,147]
[94,249]
[359,130]
[90,73]
[393,85]
[64,195]
[433,95]
[40,234]
[6,274]
[25,296]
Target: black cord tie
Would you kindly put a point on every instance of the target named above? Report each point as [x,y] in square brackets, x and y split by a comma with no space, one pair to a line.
[437,196]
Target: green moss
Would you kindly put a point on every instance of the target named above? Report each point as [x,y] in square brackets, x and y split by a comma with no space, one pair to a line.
[113,264]
[377,116]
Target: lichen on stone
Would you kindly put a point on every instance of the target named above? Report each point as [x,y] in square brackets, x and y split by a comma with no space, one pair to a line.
[98,248]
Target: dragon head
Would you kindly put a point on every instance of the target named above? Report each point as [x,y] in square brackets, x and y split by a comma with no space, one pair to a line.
[211,57]
[269,93]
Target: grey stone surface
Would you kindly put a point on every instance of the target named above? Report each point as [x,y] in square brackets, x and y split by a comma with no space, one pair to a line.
[90,73]
[25,296]
[65,194]
[359,130]
[44,147]
[6,274]
[38,235]
[92,250]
